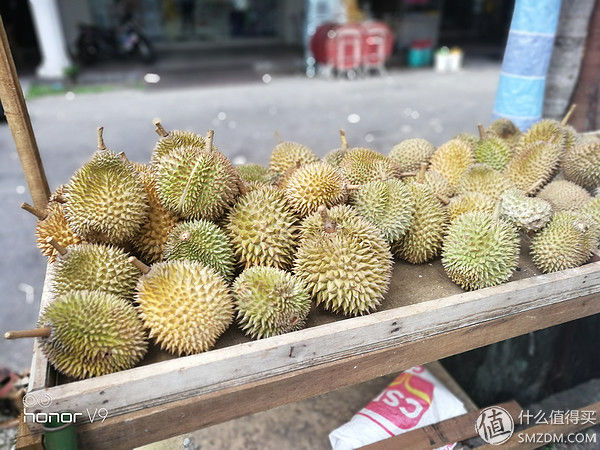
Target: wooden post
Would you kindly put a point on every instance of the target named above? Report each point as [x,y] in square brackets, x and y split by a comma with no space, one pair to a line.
[20,125]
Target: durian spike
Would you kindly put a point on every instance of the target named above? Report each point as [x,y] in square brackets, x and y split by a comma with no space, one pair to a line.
[242,188]
[328,225]
[122,155]
[33,210]
[101,145]
[278,137]
[481,131]
[59,248]
[158,128]
[536,187]
[344,141]
[185,236]
[36,332]
[568,115]
[210,134]
[442,198]
[421,174]
[140,265]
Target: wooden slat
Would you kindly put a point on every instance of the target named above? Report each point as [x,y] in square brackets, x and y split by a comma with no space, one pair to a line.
[457,429]
[25,439]
[20,125]
[178,417]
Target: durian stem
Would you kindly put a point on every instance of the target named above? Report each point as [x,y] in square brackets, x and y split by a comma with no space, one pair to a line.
[421,174]
[242,188]
[33,210]
[122,155]
[278,137]
[328,225]
[101,145]
[59,248]
[344,141]
[353,187]
[210,134]
[568,114]
[158,128]
[442,198]
[536,187]
[36,332]
[407,174]
[140,265]
[481,131]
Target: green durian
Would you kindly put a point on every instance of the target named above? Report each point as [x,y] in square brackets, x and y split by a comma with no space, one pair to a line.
[485,180]
[582,164]
[251,173]
[546,130]
[533,165]
[564,195]
[526,213]
[493,151]
[480,251]
[410,153]
[287,154]
[171,140]
[361,165]
[270,301]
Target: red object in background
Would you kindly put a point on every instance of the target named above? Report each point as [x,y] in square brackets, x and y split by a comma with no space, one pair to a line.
[347,47]
[378,43]
[320,41]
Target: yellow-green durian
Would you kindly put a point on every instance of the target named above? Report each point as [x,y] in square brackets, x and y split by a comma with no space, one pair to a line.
[334,157]
[92,333]
[582,164]
[185,305]
[386,204]
[566,242]
[410,153]
[287,154]
[262,229]
[564,195]
[592,209]
[250,173]
[202,241]
[529,214]
[485,180]
[171,140]
[503,128]
[452,160]
[54,225]
[270,301]
[94,267]
[468,138]
[361,165]
[470,202]
[533,165]
[480,251]
[435,181]
[546,130]
[494,151]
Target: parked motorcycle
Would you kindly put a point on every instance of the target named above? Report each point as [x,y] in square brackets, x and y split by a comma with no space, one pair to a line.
[95,43]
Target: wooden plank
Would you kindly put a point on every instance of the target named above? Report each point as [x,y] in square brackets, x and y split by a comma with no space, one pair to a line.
[518,438]
[457,429]
[159,383]
[20,125]
[163,421]
[25,439]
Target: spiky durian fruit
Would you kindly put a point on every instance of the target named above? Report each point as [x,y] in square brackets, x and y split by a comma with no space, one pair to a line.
[480,251]
[533,165]
[564,195]
[468,138]
[571,137]
[452,160]
[344,272]
[262,229]
[286,154]
[92,333]
[196,184]
[185,305]
[345,217]
[592,209]
[469,202]
[566,242]
[437,182]
[361,165]
[410,153]
[105,200]
[314,185]
[202,241]
[582,164]
[386,204]
[423,240]
[52,224]
[503,128]
[546,130]
[493,151]
[174,139]
[527,213]
[334,157]
[270,301]
[92,267]
[58,196]
[485,180]
[254,173]
[150,241]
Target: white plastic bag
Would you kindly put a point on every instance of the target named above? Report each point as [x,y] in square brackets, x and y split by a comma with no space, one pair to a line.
[413,400]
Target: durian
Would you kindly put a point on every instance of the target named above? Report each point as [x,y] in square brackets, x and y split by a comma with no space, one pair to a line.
[410,153]
[485,180]
[493,151]
[93,267]
[202,241]
[480,251]
[196,184]
[566,242]
[105,200]
[262,229]
[334,157]
[386,204]
[564,195]
[546,130]
[254,173]
[592,209]
[452,160]
[469,202]
[171,140]
[503,128]
[468,138]
[438,183]
[582,164]
[270,301]
[344,272]
[287,154]
[314,185]
[361,165]
[529,214]
[533,165]
[89,333]
[185,305]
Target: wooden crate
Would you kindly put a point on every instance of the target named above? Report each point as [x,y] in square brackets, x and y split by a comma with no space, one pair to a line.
[424,317]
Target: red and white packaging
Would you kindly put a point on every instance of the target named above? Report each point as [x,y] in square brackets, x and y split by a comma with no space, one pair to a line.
[413,400]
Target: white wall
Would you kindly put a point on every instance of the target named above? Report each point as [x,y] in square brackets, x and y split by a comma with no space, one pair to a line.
[73,12]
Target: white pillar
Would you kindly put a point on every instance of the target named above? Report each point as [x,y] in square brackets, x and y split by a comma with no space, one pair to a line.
[51,38]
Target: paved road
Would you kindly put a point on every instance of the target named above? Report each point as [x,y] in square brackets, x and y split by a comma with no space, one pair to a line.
[376,112]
